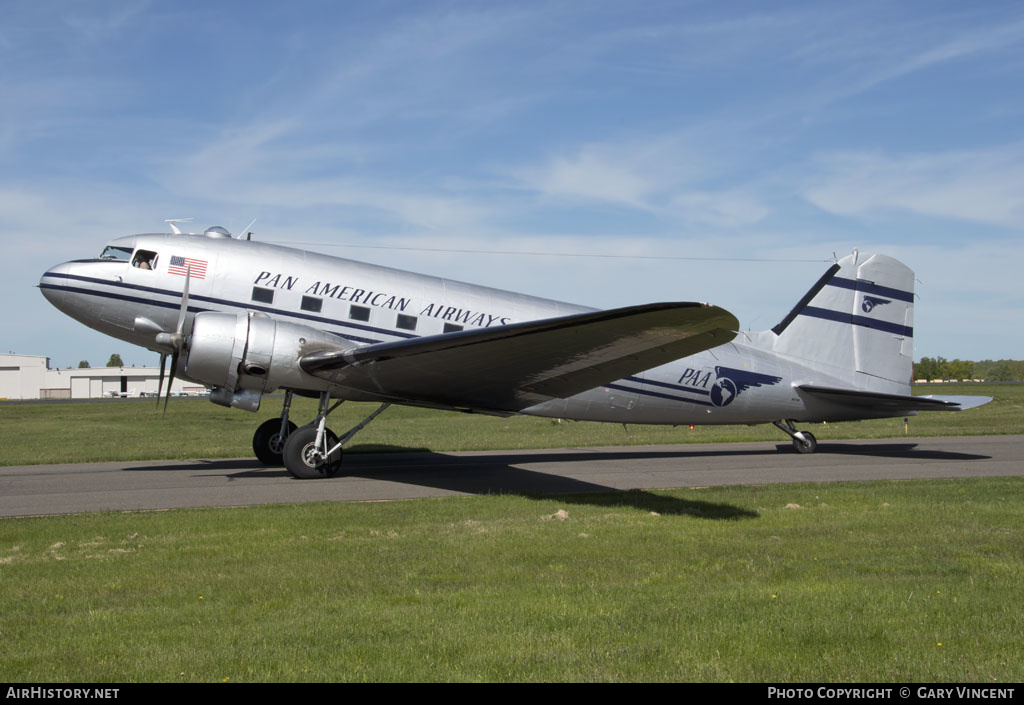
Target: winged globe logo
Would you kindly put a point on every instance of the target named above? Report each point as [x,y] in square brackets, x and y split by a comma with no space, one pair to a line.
[870,302]
[730,383]
[723,391]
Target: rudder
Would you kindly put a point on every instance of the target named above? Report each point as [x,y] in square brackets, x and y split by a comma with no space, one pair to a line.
[856,323]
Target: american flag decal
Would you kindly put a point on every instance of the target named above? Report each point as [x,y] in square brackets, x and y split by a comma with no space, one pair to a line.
[179,265]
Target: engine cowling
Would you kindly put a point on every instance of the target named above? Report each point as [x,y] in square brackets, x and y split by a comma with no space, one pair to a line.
[243,356]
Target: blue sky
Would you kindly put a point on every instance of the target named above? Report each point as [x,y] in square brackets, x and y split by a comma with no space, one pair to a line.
[676,137]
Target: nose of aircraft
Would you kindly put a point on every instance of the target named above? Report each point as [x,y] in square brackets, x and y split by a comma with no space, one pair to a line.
[52,284]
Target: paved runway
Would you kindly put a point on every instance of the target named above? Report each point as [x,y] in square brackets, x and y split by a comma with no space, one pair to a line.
[163,484]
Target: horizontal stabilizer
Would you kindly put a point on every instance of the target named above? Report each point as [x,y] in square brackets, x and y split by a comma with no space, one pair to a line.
[965,402]
[511,367]
[895,403]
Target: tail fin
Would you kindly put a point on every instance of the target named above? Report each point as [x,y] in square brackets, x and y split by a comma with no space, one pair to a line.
[856,323]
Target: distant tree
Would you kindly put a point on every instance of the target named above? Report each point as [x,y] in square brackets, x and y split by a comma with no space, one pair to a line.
[1002,371]
[989,370]
[83,364]
[929,368]
[959,369]
[115,361]
[983,369]
[999,372]
[1016,370]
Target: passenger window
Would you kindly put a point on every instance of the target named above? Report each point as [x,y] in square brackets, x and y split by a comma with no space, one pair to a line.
[406,322]
[263,296]
[144,259]
[359,313]
[451,328]
[311,303]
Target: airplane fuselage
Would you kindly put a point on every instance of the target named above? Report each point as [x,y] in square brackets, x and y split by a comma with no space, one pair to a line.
[740,382]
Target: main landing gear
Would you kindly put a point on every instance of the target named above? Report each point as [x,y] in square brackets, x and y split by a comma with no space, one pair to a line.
[803,441]
[308,452]
[268,441]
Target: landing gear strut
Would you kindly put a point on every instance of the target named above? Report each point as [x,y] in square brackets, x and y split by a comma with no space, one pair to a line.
[803,441]
[313,451]
[268,441]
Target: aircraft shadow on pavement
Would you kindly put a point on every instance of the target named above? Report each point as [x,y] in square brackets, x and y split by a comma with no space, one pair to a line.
[502,473]
[367,459]
[481,475]
[891,450]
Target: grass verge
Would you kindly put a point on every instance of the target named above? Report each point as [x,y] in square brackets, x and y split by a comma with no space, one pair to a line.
[862,582]
[137,430]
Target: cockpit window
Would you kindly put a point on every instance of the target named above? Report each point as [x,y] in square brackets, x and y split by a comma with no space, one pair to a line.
[118,253]
[144,259]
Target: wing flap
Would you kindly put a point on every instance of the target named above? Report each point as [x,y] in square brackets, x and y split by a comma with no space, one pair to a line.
[511,367]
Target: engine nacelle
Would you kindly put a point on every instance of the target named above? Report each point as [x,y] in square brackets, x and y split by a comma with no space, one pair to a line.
[244,356]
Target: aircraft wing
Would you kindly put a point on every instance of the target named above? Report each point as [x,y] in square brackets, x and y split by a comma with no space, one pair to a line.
[508,368]
[896,403]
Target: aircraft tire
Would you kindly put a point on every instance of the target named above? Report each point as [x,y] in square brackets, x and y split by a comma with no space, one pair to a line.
[299,459]
[808,445]
[267,443]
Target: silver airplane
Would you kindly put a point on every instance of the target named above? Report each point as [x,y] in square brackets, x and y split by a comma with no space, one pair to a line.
[247,318]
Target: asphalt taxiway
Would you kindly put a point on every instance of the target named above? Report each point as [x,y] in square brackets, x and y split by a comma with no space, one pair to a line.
[170,484]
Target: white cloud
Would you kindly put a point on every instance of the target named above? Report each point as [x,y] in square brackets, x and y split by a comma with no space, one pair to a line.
[961,46]
[592,174]
[728,209]
[101,24]
[666,175]
[980,185]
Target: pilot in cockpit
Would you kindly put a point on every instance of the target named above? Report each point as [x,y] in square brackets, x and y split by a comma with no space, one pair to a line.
[144,260]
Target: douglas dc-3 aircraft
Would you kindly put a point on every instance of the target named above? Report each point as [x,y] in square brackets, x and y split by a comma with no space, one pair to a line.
[247,318]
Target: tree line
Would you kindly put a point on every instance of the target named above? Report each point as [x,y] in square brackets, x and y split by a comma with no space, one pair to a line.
[935,368]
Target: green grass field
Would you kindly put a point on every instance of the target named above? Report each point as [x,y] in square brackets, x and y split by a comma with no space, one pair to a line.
[195,428]
[840,582]
[858,582]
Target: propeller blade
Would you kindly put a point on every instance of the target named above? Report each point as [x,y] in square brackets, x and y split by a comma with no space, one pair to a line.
[176,340]
[170,382]
[184,303]
[160,385]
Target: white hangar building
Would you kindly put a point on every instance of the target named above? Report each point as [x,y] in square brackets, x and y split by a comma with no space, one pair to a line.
[30,377]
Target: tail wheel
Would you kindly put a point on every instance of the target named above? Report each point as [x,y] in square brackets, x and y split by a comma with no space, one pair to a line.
[267,443]
[305,459]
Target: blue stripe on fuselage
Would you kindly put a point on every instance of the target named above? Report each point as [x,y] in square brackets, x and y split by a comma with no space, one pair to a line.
[661,395]
[208,299]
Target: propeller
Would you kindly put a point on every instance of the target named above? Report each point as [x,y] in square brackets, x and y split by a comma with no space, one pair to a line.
[176,341]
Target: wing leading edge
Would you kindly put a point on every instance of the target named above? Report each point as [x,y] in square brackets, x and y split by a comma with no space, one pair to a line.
[511,367]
